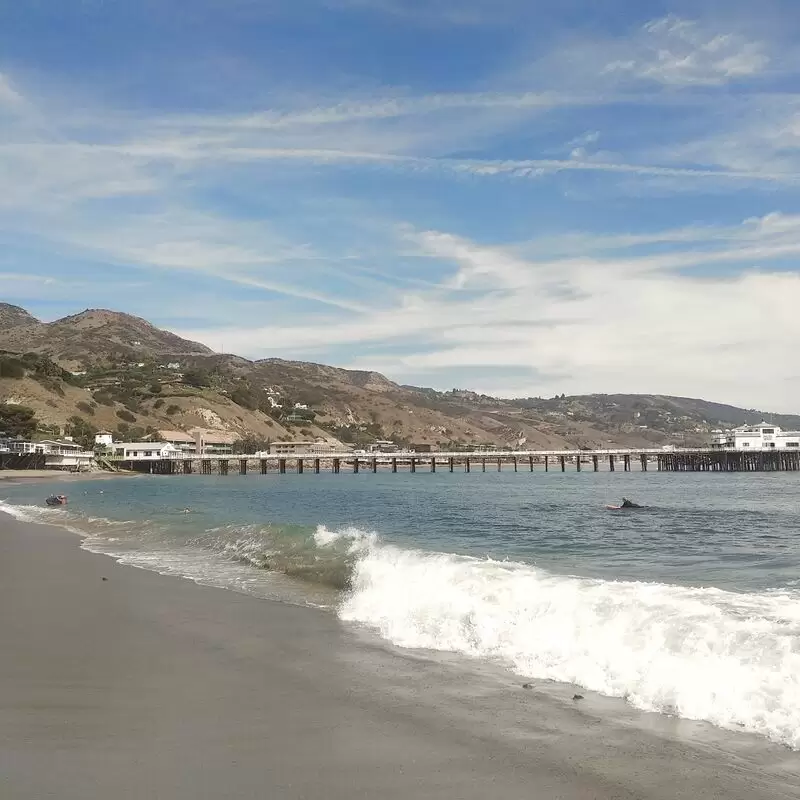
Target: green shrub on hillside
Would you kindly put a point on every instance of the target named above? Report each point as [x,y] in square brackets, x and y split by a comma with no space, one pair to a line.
[17,420]
[11,367]
[244,396]
[198,378]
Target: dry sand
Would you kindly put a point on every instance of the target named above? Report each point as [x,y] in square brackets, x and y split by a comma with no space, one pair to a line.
[49,475]
[143,686]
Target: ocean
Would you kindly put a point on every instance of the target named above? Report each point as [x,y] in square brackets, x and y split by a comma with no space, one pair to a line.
[688,607]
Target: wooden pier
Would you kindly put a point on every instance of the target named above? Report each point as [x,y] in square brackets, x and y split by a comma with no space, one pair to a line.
[698,460]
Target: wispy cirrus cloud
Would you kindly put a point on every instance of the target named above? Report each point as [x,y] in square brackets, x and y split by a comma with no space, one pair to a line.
[680,52]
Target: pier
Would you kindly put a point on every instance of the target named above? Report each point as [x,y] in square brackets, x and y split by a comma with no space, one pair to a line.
[684,460]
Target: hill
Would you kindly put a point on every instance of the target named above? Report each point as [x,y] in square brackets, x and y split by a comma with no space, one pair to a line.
[14,317]
[91,338]
[103,369]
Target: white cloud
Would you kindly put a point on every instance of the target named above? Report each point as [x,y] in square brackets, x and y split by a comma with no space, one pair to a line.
[9,97]
[586,324]
[244,254]
[680,52]
[387,107]
[764,137]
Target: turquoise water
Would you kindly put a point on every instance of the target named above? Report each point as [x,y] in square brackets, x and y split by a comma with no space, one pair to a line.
[690,606]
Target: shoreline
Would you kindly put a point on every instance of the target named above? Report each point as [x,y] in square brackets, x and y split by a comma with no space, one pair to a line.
[58,476]
[142,685]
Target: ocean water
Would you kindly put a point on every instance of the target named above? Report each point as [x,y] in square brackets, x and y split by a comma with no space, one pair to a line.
[688,607]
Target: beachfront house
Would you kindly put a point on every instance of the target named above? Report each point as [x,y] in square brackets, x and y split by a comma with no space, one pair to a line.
[145,451]
[763,436]
[67,454]
[59,453]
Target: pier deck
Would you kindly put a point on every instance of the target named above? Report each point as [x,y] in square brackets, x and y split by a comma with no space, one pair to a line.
[695,460]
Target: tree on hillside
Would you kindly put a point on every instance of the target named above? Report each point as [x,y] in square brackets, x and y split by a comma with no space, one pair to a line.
[11,367]
[17,420]
[244,395]
[81,431]
[251,444]
[197,378]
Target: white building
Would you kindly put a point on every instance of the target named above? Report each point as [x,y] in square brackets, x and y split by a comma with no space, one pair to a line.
[145,451]
[756,437]
[200,442]
[316,448]
[383,446]
[64,454]
[104,439]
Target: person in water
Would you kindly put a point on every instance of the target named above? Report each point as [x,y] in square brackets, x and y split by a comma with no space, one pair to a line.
[628,504]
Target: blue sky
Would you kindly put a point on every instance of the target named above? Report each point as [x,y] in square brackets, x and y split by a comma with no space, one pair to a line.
[519,198]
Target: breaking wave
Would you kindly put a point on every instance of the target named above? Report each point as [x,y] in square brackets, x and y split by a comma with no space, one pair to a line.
[700,653]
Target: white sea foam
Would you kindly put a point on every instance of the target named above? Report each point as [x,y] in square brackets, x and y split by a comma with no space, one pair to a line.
[25,513]
[700,653]
[41,515]
[356,540]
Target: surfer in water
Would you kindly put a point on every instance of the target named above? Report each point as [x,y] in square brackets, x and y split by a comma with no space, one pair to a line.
[628,504]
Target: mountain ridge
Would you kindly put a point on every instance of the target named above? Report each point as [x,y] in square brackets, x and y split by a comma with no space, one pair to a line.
[133,377]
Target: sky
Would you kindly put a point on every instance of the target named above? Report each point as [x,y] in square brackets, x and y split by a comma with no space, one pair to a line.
[523,199]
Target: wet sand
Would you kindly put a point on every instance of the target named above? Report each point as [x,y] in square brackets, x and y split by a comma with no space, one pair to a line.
[148,686]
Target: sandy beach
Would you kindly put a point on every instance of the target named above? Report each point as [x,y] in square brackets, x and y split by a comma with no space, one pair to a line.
[121,683]
[48,475]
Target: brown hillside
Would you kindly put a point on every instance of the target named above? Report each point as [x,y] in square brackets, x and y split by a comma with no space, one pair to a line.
[14,317]
[96,336]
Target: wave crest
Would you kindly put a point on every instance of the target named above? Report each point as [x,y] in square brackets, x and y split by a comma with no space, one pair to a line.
[704,654]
